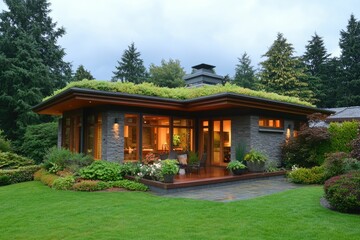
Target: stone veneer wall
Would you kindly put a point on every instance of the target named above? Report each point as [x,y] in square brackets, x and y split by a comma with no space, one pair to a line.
[245,130]
[112,139]
[59,140]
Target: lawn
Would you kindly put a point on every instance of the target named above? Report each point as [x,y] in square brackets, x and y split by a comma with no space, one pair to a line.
[33,211]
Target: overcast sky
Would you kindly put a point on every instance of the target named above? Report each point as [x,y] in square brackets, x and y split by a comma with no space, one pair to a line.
[216,32]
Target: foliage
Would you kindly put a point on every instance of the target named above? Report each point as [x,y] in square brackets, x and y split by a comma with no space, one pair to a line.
[102,170]
[129,168]
[341,135]
[150,171]
[90,185]
[193,157]
[343,192]
[169,167]
[45,177]
[309,147]
[314,175]
[245,73]
[60,159]
[233,165]
[338,163]
[315,59]
[176,139]
[255,156]
[81,73]
[129,185]
[63,183]
[5,145]
[10,160]
[38,139]
[149,89]
[240,151]
[131,67]
[21,174]
[350,64]
[355,145]
[282,73]
[32,64]
[169,74]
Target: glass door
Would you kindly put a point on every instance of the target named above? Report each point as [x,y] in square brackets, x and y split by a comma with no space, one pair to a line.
[221,142]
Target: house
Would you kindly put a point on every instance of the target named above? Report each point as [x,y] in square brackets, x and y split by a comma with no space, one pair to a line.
[117,125]
[344,114]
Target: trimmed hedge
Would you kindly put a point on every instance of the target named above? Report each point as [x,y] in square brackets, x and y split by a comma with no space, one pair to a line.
[343,192]
[45,177]
[9,160]
[21,174]
[313,175]
[342,134]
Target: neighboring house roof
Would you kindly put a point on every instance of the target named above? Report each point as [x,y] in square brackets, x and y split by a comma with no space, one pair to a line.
[75,98]
[344,114]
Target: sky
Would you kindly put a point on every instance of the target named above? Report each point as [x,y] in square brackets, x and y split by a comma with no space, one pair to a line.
[215,32]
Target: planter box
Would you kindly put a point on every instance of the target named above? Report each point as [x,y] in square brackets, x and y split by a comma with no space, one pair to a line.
[238,171]
[256,166]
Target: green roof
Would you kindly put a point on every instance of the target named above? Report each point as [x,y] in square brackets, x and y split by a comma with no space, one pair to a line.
[149,89]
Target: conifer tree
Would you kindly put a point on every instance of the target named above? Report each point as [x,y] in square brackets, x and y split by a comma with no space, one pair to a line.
[350,63]
[245,73]
[81,73]
[283,73]
[131,67]
[315,58]
[31,61]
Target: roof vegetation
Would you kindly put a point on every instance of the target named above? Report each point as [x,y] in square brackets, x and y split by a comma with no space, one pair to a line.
[149,89]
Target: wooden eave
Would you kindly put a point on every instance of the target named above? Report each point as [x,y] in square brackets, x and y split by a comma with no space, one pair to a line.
[76,98]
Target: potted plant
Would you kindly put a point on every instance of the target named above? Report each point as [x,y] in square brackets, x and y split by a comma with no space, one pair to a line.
[176,140]
[169,168]
[236,167]
[255,161]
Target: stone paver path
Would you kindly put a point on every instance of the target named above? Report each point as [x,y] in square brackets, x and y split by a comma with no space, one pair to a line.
[236,191]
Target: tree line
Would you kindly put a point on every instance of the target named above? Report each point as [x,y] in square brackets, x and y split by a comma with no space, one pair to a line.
[32,66]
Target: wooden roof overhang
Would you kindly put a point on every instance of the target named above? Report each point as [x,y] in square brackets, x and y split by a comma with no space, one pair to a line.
[76,98]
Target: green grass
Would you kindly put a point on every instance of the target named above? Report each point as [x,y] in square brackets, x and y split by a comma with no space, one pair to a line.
[149,89]
[33,211]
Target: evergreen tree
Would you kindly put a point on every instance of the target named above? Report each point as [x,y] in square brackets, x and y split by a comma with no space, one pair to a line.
[81,73]
[245,73]
[283,73]
[31,61]
[315,58]
[333,88]
[169,74]
[131,67]
[350,63]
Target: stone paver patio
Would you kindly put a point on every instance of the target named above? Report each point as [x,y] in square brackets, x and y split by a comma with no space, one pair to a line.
[236,191]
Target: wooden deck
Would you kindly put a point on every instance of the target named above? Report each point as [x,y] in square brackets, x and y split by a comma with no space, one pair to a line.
[208,176]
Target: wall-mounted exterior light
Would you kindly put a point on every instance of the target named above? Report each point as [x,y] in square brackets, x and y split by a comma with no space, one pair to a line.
[116,121]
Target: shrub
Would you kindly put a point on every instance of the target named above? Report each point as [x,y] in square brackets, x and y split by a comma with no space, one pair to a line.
[5,145]
[343,192]
[307,150]
[10,160]
[45,177]
[38,139]
[341,135]
[314,175]
[129,168]
[102,170]
[90,185]
[21,174]
[339,163]
[129,185]
[63,183]
[355,145]
[59,159]
[255,156]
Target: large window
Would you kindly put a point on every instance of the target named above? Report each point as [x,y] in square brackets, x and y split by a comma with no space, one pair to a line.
[72,132]
[271,123]
[131,137]
[155,134]
[182,135]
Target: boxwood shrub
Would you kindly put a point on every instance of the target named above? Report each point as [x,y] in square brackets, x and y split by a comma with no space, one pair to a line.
[21,174]
[343,192]
[314,175]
